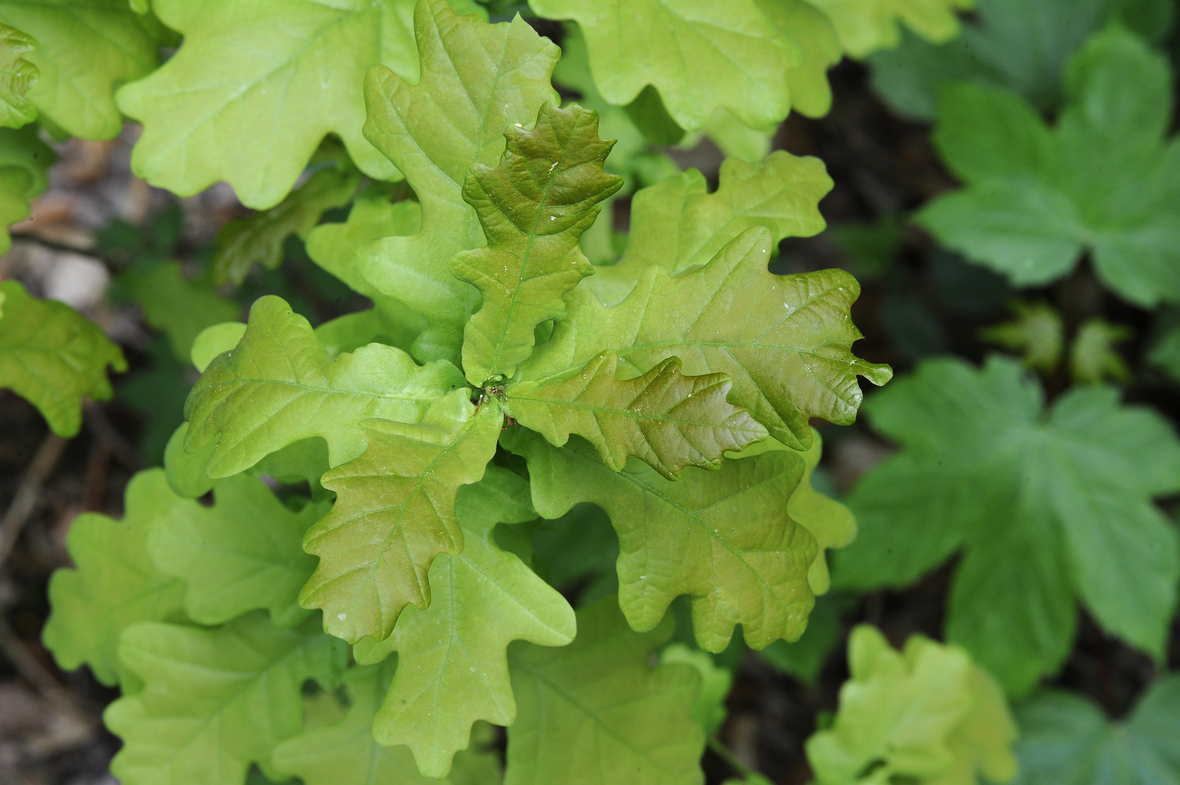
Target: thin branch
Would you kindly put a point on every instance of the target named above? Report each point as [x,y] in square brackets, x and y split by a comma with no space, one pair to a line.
[29,492]
[723,752]
[101,427]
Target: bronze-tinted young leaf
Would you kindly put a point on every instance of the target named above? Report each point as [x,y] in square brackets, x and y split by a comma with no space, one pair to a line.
[665,418]
[785,340]
[395,513]
[533,207]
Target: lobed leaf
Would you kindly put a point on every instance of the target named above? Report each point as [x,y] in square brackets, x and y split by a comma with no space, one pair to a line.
[724,538]
[864,26]
[280,386]
[115,583]
[597,708]
[1093,358]
[85,49]
[1037,333]
[215,700]
[53,356]
[17,75]
[176,305]
[24,161]
[395,512]
[664,418]
[452,658]
[787,349]
[1047,505]
[533,207]
[477,81]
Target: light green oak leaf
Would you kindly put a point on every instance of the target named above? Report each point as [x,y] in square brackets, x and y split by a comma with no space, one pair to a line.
[664,418]
[181,307]
[345,752]
[709,709]
[280,385]
[1047,506]
[242,553]
[17,75]
[785,340]
[24,161]
[85,49]
[533,206]
[699,55]
[255,88]
[394,513]
[724,537]
[865,26]
[452,657]
[597,710]
[678,225]
[215,700]
[53,357]
[114,583]
[478,80]
[926,714]
[1029,209]
[812,32]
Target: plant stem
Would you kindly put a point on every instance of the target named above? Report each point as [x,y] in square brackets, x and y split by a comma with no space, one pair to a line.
[723,752]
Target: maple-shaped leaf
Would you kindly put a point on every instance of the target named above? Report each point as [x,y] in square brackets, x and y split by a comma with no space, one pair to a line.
[345,752]
[182,308]
[394,513]
[84,51]
[698,55]
[452,657]
[864,26]
[596,708]
[1020,46]
[533,206]
[240,554]
[280,385]
[678,225]
[1037,333]
[53,357]
[17,75]
[24,161]
[215,700]
[114,583]
[784,340]
[926,714]
[253,90]
[1065,737]
[1093,359]
[1046,505]
[1030,210]
[477,81]
[722,537]
[258,239]
[665,418]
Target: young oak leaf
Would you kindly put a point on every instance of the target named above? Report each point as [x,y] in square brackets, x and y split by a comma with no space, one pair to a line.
[180,307]
[280,385]
[664,418]
[345,752]
[678,225]
[1029,209]
[243,553]
[394,513]
[24,163]
[477,81]
[724,537]
[864,26]
[927,714]
[215,700]
[784,340]
[1046,505]
[598,706]
[533,207]
[17,75]
[699,55]
[84,50]
[807,26]
[253,90]
[53,357]
[452,657]
[115,583]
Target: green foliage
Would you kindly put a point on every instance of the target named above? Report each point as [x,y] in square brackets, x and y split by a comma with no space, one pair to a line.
[53,356]
[1030,209]
[864,26]
[598,706]
[1166,354]
[1066,738]
[17,75]
[24,159]
[926,714]
[180,307]
[709,708]
[1036,333]
[1093,358]
[1048,506]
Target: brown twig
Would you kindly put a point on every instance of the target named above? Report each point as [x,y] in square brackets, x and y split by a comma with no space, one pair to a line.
[28,493]
[104,430]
